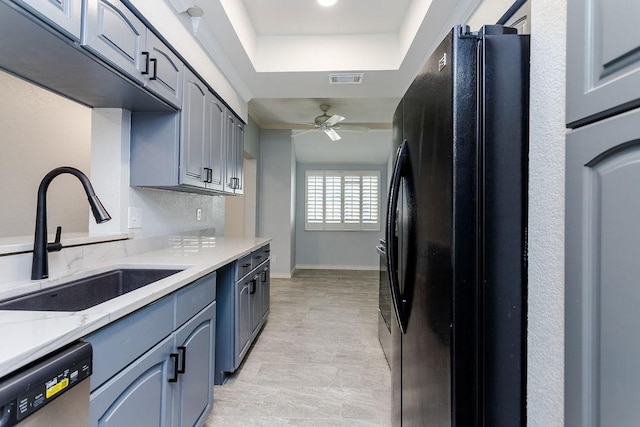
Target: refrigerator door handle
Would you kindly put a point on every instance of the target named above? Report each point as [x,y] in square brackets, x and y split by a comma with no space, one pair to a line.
[392,241]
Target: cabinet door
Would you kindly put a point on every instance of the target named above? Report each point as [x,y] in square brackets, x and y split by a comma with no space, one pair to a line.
[230,154]
[265,284]
[239,156]
[138,395]
[65,15]
[603,57]
[216,122]
[602,296]
[242,321]
[255,291]
[193,149]
[163,70]
[194,393]
[113,32]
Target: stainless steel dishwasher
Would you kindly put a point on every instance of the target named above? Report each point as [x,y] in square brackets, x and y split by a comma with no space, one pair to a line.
[50,392]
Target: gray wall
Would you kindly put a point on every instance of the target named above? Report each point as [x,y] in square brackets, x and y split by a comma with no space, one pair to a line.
[276,173]
[337,249]
[252,139]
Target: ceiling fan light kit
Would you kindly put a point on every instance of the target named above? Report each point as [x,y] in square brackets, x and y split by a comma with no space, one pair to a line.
[328,124]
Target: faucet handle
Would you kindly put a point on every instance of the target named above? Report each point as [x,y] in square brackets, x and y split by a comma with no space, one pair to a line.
[56,245]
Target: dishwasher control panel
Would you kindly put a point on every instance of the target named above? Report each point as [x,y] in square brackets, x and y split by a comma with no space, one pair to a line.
[26,391]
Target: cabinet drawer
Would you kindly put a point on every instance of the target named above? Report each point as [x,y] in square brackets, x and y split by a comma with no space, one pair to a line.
[243,266]
[194,298]
[118,343]
[259,256]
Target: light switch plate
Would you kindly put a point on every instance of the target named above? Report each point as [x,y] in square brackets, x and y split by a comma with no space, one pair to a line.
[135,218]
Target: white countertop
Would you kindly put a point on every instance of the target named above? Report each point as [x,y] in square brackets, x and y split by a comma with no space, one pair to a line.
[29,335]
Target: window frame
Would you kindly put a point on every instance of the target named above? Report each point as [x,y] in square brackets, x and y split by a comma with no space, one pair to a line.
[318,221]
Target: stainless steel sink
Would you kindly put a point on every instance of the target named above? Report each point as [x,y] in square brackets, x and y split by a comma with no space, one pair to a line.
[87,292]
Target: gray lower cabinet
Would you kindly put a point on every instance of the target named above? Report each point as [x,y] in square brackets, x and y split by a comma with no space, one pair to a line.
[193,393]
[168,382]
[602,296]
[603,58]
[64,15]
[265,290]
[243,306]
[242,319]
[139,395]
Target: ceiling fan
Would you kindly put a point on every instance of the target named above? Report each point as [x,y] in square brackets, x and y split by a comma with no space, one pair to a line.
[329,124]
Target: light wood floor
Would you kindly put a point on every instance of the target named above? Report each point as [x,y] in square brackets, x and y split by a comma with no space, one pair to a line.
[317,362]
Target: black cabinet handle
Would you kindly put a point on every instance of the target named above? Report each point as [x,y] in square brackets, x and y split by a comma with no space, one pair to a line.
[174,356]
[246,265]
[258,256]
[146,63]
[182,349]
[252,289]
[210,175]
[264,276]
[155,69]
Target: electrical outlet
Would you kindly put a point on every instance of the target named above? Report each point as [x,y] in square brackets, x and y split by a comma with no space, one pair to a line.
[198,214]
[134,219]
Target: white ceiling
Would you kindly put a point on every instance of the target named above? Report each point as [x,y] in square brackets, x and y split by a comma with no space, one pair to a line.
[278,54]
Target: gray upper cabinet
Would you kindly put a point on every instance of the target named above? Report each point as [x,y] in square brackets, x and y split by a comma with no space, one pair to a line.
[603,58]
[65,15]
[234,155]
[162,70]
[602,381]
[216,113]
[194,149]
[116,34]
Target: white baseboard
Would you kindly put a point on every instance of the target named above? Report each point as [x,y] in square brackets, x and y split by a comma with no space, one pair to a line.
[336,267]
[281,275]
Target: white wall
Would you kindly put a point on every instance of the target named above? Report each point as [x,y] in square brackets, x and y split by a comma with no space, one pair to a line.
[337,249]
[276,174]
[39,131]
[545,405]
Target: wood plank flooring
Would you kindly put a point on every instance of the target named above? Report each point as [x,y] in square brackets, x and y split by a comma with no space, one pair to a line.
[317,361]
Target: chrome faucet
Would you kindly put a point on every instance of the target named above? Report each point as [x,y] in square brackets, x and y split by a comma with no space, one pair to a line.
[40,264]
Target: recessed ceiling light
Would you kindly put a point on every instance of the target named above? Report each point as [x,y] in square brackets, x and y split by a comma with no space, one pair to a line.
[327,3]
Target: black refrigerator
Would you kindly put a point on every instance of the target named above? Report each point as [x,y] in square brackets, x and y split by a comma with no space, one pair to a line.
[457,232]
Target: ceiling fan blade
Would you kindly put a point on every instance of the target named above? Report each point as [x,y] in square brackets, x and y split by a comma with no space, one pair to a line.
[354,128]
[333,120]
[332,134]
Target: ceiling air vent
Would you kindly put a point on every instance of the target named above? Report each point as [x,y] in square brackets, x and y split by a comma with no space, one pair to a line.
[346,78]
